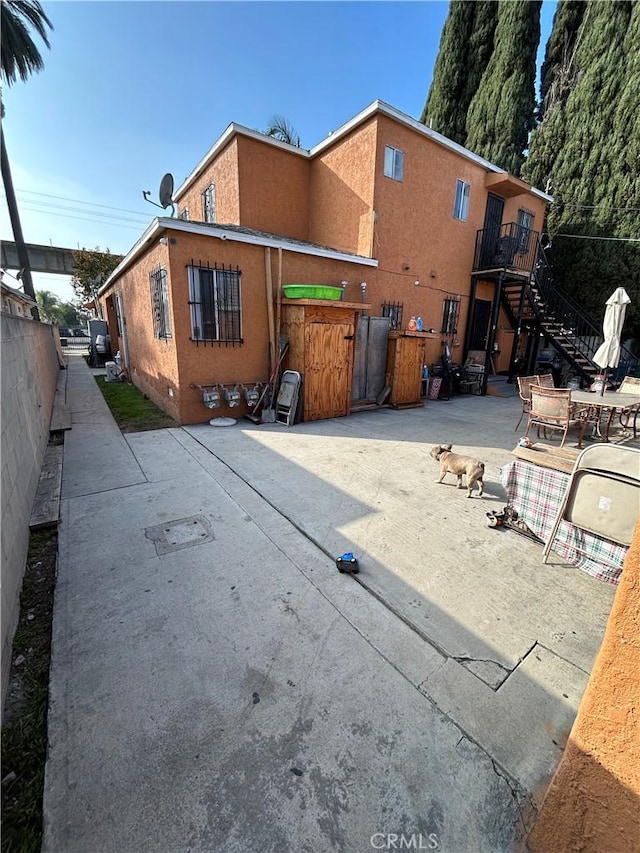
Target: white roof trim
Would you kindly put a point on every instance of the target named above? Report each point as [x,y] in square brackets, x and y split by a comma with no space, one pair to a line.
[226,137]
[222,233]
[133,253]
[392,112]
[540,194]
[363,115]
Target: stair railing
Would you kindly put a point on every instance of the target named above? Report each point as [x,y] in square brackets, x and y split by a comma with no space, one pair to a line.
[562,318]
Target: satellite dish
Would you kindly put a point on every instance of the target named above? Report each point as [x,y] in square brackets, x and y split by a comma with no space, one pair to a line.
[165,194]
[166,190]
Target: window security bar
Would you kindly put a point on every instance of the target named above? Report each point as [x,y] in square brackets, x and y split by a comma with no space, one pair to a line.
[160,303]
[215,304]
[450,313]
[393,310]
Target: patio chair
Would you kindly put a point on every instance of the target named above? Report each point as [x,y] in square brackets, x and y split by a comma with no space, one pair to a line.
[472,378]
[524,390]
[630,385]
[545,380]
[551,408]
[603,495]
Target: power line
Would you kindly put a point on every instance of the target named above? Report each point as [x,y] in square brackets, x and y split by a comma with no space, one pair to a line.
[596,206]
[586,237]
[79,201]
[86,219]
[48,205]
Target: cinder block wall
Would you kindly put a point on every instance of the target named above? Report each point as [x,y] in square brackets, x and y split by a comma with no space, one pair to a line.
[29,376]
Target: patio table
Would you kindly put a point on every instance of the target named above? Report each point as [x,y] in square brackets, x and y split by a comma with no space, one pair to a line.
[536,493]
[606,404]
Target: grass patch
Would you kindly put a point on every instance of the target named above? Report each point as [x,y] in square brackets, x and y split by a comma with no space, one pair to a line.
[24,730]
[132,410]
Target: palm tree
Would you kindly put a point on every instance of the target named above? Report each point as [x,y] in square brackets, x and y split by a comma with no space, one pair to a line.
[48,304]
[283,130]
[20,56]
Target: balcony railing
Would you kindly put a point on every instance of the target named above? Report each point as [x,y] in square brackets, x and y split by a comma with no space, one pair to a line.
[506,247]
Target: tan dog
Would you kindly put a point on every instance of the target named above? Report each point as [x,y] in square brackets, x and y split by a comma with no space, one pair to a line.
[454,463]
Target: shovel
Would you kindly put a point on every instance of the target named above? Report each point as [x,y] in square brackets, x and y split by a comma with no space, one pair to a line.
[268,415]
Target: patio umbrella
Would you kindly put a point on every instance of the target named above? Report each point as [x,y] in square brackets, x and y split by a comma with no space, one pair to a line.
[608,354]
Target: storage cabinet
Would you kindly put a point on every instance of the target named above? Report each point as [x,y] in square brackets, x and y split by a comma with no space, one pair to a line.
[405,358]
[321,345]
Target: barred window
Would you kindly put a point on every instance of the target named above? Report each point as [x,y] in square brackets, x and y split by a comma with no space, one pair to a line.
[160,303]
[214,299]
[450,313]
[525,221]
[393,310]
[209,203]
[184,213]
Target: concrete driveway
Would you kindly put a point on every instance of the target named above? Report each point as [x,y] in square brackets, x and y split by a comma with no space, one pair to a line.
[217,685]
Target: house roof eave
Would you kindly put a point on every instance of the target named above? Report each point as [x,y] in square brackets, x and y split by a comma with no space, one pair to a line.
[233,130]
[386,109]
[221,232]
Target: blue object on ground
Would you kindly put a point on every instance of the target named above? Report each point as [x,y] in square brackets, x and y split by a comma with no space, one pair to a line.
[347,563]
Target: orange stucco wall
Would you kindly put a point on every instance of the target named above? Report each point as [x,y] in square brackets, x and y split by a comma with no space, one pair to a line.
[159,367]
[342,199]
[593,802]
[223,173]
[153,363]
[341,193]
[408,225]
[274,189]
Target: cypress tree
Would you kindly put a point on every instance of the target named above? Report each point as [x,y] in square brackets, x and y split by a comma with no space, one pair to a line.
[466,45]
[588,148]
[556,75]
[501,114]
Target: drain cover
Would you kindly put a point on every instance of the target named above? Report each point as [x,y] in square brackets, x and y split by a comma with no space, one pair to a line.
[181,533]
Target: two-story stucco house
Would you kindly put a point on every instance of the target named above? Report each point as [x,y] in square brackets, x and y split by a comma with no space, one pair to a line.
[406,222]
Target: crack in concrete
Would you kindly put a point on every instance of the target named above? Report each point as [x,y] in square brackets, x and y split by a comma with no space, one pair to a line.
[514,793]
[469,659]
[566,660]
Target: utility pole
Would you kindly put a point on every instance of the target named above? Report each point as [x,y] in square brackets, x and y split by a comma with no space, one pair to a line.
[23,255]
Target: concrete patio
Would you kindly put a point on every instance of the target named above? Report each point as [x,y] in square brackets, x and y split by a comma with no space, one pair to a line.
[217,685]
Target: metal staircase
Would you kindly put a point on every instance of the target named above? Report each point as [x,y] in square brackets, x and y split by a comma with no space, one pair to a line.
[514,256]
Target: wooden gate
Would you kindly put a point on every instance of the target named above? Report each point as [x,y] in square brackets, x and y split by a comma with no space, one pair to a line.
[328,369]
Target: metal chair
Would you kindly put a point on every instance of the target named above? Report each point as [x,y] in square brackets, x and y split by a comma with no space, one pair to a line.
[524,390]
[603,495]
[551,408]
[630,385]
[545,380]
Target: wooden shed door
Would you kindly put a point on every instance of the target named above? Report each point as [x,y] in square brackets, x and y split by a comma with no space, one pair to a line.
[328,367]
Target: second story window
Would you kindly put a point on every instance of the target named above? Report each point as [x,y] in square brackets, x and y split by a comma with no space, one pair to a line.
[393,163]
[209,204]
[214,299]
[525,223]
[184,213]
[160,304]
[461,207]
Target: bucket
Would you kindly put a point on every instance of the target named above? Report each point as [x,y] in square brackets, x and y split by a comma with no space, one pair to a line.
[113,371]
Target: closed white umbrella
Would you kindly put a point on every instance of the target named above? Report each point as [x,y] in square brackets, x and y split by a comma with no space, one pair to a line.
[608,354]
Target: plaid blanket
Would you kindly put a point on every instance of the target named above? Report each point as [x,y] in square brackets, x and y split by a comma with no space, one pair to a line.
[536,493]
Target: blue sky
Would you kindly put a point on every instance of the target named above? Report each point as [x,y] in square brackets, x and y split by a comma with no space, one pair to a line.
[133,90]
